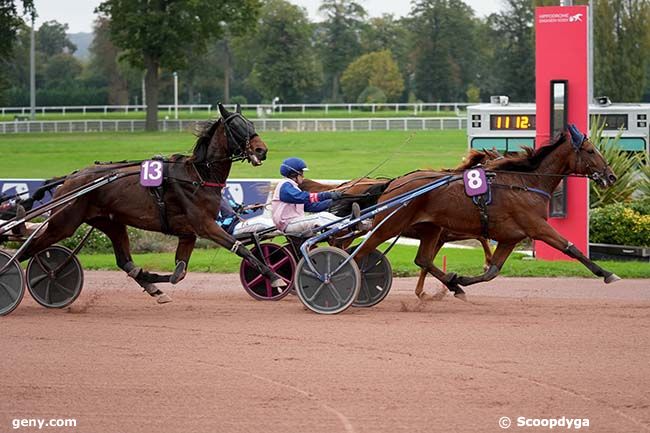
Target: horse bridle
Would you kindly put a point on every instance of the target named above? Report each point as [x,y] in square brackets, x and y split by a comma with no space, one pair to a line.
[577,141]
[239,132]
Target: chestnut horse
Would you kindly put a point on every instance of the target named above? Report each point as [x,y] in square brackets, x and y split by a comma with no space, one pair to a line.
[521,189]
[366,192]
[185,207]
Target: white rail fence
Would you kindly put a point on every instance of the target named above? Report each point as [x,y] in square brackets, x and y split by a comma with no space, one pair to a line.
[281,108]
[368,124]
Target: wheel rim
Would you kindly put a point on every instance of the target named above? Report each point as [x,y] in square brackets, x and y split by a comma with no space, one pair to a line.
[376,279]
[49,283]
[280,261]
[333,296]
[12,284]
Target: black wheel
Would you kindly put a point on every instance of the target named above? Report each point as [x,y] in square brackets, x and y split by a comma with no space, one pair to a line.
[280,261]
[338,291]
[12,284]
[51,284]
[376,279]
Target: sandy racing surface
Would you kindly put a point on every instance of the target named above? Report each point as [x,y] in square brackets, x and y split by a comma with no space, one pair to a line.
[214,360]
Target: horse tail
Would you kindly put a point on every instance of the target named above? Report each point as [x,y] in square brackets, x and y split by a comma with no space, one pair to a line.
[365,198]
[39,194]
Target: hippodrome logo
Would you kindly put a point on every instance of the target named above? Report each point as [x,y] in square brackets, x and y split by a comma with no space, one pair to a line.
[559,18]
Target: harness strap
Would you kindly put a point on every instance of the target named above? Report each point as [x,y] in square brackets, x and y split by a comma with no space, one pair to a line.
[524,188]
[482,202]
[158,193]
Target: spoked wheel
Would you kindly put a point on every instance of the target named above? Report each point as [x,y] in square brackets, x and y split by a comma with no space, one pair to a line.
[12,284]
[280,261]
[54,277]
[376,279]
[335,294]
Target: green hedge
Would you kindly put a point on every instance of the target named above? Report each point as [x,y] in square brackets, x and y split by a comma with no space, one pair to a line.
[621,224]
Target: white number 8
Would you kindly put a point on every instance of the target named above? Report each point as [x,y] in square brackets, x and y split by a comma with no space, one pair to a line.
[474,180]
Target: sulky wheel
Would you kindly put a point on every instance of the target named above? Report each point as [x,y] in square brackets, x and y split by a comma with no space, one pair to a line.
[280,261]
[54,277]
[338,291]
[12,284]
[376,279]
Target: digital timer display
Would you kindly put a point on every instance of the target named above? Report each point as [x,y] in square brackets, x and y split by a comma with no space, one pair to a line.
[512,122]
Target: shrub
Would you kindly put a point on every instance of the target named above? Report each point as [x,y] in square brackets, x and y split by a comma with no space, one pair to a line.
[619,224]
[239,99]
[372,95]
[627,166]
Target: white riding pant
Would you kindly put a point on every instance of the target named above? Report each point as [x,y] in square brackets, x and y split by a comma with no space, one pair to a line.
[252,225]
[310,222]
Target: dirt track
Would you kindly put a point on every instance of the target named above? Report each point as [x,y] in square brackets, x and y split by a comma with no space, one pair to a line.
[215,360]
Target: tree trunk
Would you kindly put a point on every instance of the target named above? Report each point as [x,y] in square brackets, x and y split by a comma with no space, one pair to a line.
[151,89]
[335,88]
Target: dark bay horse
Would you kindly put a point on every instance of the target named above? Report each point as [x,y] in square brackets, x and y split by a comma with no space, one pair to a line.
[185,207]
[366,192]
[521,189]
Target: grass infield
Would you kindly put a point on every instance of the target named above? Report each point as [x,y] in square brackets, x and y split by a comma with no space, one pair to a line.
[330,155]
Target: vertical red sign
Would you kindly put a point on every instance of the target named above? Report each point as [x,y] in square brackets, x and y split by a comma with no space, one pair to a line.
[561,49]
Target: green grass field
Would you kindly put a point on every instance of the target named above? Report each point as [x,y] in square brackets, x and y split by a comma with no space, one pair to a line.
[330,155]
[462,261]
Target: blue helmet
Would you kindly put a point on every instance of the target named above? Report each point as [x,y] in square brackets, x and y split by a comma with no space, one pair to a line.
[292,166]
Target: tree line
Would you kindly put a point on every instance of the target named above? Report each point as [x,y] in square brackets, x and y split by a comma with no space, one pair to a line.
[253,51]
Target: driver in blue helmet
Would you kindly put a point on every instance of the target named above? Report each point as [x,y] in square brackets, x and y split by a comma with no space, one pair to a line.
[290,203]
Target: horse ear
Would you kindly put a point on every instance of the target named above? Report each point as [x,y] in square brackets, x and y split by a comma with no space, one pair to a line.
[238,110]
[222,110]
[577,137]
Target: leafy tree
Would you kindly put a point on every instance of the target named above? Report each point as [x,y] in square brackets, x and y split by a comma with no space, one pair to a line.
[340,43]
[622,33]
[52,39]
[104,69]
[443,48]
[512,57]
[285,65]
[10,22]
[376,69]
[388,33]
[155,33]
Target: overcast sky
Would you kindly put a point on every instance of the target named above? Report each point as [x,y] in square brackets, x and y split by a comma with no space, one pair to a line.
[79,14]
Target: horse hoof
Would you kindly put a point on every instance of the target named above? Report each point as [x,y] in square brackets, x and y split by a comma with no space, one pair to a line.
[462,296]
[163,298]
[611,278]
[278,282]
[179,272]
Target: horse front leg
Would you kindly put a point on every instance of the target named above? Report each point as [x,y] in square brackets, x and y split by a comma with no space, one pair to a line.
[215,233]
[548,234]
[503,251]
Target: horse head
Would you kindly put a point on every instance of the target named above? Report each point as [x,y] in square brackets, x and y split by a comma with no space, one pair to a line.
[242,140]
[587,160]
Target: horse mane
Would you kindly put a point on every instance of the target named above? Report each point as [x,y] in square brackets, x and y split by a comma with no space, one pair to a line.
[529,159]
[476,157]
[204,134]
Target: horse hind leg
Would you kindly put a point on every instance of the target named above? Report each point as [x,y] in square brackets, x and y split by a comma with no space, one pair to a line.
[119,237]
[183,253]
